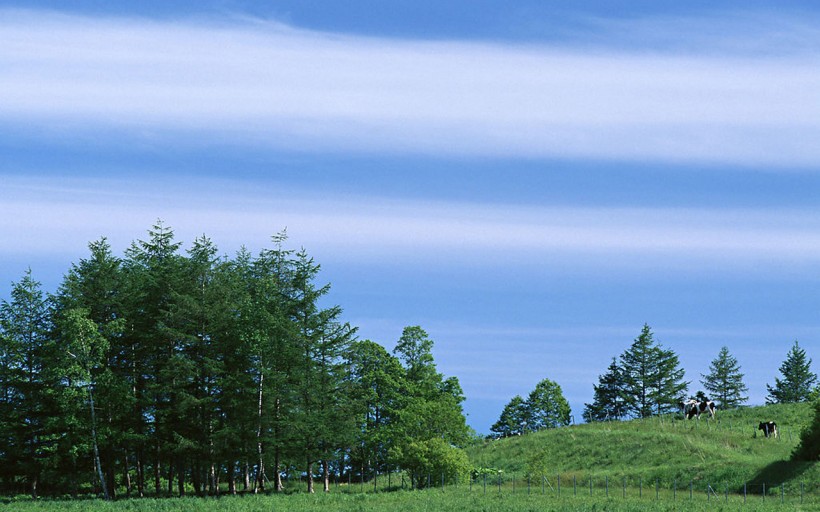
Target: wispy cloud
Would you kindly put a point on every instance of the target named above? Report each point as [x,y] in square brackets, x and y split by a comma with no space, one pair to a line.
[64,216]
[272,85]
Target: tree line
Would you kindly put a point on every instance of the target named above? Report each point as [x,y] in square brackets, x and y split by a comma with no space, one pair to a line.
[163,372]
[647,380]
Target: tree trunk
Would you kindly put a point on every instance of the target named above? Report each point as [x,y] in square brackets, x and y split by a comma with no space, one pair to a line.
[247,476]
[277,475]
[96,448]
[310,477]
[127,476]
[157,469]
[326,475]
[180,479]
[232,478]
[259,486]
[170,478]
[140,475]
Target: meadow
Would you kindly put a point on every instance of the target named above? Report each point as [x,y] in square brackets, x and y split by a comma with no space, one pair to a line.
[661,463]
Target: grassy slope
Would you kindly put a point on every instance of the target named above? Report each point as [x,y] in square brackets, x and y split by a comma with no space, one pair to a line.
[667,448]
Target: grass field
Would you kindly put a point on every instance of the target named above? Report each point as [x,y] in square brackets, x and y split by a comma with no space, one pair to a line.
[660,464]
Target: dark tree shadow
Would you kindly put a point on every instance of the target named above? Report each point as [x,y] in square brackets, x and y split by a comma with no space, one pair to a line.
[778,473]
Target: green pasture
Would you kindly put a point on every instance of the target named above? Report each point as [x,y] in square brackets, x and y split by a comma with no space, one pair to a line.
[661,463]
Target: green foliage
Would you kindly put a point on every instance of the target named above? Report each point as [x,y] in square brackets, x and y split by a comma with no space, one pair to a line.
[513,420]
[724,381]
[436,459]
[546,407]
[798,379]
[653,380]
[809,447]
[609,396]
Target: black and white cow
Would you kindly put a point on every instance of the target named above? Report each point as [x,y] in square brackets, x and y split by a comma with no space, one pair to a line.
[706,406]
[692,408]
[769,429]
[689,408]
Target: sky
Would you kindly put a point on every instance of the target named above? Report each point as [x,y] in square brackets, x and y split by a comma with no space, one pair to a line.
[530,182]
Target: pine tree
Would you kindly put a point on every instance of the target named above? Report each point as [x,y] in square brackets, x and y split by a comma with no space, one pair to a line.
[608,396]
[652,377]
[25,327]
[724,381]
[798,379]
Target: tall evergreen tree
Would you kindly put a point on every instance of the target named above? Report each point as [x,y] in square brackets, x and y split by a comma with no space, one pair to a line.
[798,379]
[25,324]
[608,396]
[725,381]
[95,285]
[652,377]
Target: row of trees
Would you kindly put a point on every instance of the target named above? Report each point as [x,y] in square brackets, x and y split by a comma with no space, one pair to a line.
[162,372]
[646,379]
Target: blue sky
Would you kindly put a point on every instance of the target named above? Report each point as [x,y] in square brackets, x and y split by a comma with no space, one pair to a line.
[531,183]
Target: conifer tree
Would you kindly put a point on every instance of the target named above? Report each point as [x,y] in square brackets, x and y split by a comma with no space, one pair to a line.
[608,396]
[652,377]
[798,379]
[725,381]
[25,327]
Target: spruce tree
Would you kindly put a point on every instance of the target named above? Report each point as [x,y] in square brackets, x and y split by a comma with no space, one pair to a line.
[798,379]
[25,331]
[725,381]
[652,377]
[608,401]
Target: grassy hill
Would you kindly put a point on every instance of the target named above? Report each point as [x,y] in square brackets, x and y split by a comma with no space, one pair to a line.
[726,451]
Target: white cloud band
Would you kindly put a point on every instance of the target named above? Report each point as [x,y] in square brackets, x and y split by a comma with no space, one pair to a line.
[272,85]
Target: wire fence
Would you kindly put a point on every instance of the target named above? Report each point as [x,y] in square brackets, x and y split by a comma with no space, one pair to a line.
[621,487]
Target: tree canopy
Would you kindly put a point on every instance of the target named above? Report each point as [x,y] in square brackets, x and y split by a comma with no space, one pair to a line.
[164,372]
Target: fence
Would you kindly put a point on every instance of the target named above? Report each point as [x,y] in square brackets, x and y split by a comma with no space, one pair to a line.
[622,487]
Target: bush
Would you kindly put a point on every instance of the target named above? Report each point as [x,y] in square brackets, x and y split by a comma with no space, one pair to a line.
[434,459]
[809,447]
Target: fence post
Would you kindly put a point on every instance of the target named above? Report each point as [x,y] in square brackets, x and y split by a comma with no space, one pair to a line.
[657,490]
[528,484]
[675,490]
[640,487]
[764,491]
[624,488]
[499,482]
[559,486]
[606,482]
[485,483]
[782,492]
[513,478]
[744,493]
[727,493]
[691,484]
[574,486]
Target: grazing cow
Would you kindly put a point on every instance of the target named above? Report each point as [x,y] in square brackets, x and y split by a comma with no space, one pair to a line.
[769,429]
[689,408]
[706,406]
[692,408]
